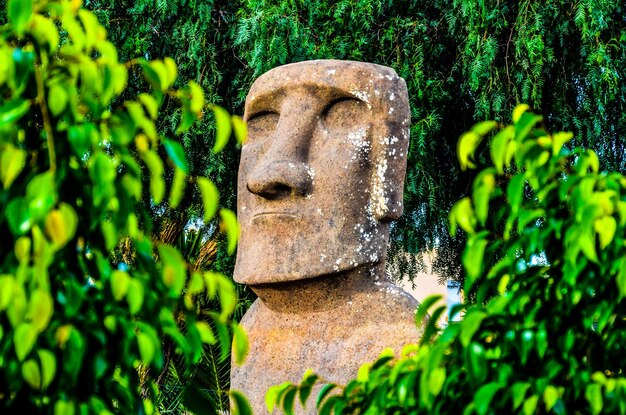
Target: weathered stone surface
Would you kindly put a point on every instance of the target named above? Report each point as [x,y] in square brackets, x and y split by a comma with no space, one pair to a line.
[321,176]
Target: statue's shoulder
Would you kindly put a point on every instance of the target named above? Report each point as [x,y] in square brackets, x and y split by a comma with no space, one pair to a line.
[386,302]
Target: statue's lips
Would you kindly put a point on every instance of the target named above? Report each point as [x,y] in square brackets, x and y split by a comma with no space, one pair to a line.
[275,214]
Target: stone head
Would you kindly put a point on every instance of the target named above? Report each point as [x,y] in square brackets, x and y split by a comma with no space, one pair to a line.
[322,171]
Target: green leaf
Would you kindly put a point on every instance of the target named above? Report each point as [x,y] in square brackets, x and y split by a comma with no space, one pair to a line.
[587,244]
[196,98]
[462,214]
[240,343]
[178,188]
[24,339]
[530,405]
[271,398]
[146,347]
[64,408]
[120,281]
[324,392]
[17,310]
[210,197]
[436,379]
[80,139]
[12,162]
[519,393]
[205,331]
[45,31]
[229,222]
[605,227]
[40,309]
[483,187]
[541,340]
[155,165]
[176,153]
[518,111]
[425,306]
[470,324]
[73,356]
[135,295]
[13,110]
[171,70]
[306,386]
[289,400]
[19,14]
[6,290]
[515,192]
[228,295]
[526,123]
[240,405]
[550,396]
[465,149]
[476,363]
[274,394]
[484,127]
[57,99]
[157,75]
[499,146]
[364,373]
[593,394]
[61,225]
[196,283]
[240,128]
[31,374]
[150,104]
[473,258]
[560,138]
[48,367]
[223,127]
[174,272]
[224,339]
[18,216]
[484,396]
[41,194]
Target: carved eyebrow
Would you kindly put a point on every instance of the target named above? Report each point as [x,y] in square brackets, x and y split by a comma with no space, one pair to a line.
[260,113]
[339,99]
[265,102]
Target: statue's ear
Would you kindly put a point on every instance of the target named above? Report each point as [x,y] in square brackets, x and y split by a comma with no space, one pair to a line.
[389,154]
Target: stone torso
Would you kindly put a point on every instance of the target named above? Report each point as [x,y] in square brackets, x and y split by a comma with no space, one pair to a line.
[332,339]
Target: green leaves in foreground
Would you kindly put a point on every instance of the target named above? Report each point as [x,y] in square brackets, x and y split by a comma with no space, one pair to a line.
[88,294]
[544,310]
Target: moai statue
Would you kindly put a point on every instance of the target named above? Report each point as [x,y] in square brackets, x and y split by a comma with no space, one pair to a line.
[320,179]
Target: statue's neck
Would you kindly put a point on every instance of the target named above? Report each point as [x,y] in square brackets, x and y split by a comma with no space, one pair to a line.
[321,293]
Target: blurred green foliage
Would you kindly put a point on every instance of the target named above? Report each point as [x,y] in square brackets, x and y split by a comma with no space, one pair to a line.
[82,162]
[546,264]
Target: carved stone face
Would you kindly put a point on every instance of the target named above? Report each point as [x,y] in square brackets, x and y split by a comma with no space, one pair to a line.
[322,171]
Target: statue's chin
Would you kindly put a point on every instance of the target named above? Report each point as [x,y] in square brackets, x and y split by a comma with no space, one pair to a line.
[284,269]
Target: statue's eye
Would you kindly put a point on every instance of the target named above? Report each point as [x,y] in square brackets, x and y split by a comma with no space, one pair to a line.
[262,124]
[345,113]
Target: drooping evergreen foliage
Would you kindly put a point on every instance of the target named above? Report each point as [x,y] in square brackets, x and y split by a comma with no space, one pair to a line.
[463,60]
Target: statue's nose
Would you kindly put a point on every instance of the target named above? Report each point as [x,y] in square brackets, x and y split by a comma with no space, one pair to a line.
[283,170]
[281,179]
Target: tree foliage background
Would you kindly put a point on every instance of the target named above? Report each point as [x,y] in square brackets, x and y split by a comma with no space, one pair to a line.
[463,61]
